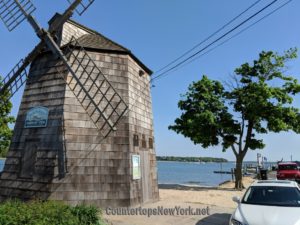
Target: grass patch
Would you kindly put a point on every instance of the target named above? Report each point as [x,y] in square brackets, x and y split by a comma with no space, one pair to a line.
[15,212]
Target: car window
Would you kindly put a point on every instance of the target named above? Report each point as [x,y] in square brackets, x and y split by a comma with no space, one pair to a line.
[271,195]
[287,167]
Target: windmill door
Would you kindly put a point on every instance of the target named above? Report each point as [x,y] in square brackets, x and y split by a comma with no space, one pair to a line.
[145,170]
[28,159]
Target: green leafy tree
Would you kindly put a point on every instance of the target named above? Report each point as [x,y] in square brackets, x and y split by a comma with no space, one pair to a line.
[260,100]
[5,120]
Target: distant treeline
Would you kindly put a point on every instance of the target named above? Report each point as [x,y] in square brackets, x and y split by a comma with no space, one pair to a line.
[190,159]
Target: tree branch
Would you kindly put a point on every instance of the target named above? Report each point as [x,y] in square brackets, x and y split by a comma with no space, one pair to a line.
[242,133]
[234,150]
[248,136]
[232,83]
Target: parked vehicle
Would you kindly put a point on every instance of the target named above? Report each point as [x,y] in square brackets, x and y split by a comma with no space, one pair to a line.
[288,171]
[270,202]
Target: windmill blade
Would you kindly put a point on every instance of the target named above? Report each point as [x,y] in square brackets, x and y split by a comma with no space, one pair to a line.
[96,94]
[13,85]
[17,76]
[12,15]
[101,101]
[83,5]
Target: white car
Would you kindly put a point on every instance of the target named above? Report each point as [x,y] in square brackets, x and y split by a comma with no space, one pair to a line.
[270,202]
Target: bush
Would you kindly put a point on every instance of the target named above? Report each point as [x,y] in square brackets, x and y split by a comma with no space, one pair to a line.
[87,215]
[47,213]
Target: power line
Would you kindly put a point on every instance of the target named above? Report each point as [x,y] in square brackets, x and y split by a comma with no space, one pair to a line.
[216,40]
[240,32]
[221,37]
[210,36]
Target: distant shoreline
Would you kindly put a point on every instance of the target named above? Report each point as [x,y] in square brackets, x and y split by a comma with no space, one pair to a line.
[191,159]
[188,162]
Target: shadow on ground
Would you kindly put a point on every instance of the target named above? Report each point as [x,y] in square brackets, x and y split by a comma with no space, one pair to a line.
[215,219]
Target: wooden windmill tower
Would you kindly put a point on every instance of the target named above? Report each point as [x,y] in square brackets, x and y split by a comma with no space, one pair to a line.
[84,131]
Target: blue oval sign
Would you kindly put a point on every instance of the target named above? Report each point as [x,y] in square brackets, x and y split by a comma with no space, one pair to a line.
[37,117]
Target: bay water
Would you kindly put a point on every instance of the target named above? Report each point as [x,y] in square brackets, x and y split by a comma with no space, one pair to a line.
[193,174]
[188,173]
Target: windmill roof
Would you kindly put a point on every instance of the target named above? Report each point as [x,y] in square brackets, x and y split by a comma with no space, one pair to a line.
[96,41]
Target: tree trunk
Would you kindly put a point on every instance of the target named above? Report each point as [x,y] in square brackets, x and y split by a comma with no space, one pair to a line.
[238,172]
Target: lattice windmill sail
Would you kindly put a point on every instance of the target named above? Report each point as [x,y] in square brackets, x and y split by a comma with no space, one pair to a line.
[15,12]
[112,106]
[74,126]
[13,85]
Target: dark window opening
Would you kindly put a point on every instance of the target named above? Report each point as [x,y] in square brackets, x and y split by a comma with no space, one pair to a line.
[144,144]
[135,140]
[151,143]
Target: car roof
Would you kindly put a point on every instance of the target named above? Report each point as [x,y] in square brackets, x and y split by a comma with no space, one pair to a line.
[287,163]
[277,183]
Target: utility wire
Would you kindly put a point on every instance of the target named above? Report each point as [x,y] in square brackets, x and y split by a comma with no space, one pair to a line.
[216,40]
[210,36]
[237,34]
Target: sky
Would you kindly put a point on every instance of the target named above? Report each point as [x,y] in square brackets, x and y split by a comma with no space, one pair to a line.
[159,31]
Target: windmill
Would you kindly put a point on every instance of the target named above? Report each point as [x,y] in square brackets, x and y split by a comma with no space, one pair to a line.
[14,12]
[100,146]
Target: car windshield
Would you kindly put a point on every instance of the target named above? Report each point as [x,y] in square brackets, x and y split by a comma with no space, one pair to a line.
[272,195]
[287,167]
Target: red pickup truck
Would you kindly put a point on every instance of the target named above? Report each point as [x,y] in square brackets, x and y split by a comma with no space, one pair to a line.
[288,171]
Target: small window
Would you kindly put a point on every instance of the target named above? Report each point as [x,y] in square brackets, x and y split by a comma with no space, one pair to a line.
[150,143]
[144,144]
[135,140]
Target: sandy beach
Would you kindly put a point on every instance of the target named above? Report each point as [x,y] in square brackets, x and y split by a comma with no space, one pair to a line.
[217,199]
[220,196]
